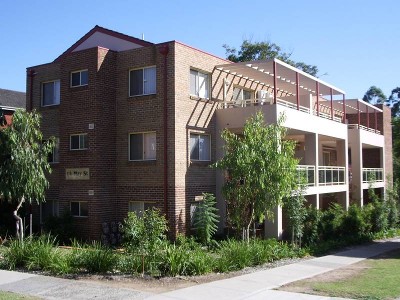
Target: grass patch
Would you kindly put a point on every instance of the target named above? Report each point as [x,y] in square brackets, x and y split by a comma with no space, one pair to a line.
[379,281]
[13,296]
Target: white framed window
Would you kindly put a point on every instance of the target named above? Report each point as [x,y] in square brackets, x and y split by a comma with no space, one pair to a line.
[142,146]
[200,147]
[54,156]
[79,78]
[142,81]
[79,209]
[240,95]
[199,84]
[51,93]
[138,207]
[79,141]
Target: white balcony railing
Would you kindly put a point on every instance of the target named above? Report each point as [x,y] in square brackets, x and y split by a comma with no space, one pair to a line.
[356,126]
[306,173]
[372,175]
[328,175]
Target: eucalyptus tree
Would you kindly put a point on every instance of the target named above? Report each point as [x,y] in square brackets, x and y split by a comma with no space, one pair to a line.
[23,162]
[261,171]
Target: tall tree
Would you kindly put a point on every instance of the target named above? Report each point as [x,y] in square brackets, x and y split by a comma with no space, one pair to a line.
[23,162]
[261,171]
[394,102]
[250,51]
[374,95]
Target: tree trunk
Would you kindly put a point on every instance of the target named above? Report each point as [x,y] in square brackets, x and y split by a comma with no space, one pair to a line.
[18,222]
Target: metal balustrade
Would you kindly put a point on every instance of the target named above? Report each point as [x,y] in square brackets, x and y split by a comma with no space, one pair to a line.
[306,173]
[356,126]
[328,175]
[372,175]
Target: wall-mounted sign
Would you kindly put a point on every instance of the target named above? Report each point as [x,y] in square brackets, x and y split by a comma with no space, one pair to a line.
[199,198]
[77,174]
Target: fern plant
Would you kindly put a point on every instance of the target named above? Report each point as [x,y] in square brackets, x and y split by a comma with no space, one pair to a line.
[206,219]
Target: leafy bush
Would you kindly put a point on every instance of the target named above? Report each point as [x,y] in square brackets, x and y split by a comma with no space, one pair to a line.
[94,258]
[311,225]
[144,234]
[354,222]
[206,218]
[331,222]
[60,227]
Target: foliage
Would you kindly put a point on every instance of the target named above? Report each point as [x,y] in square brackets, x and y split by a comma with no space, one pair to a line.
[250,51]
[61,227]
[394,102]
[297,212]
[374,95]
[23,162]
[261,171]
[94,258]
[311,225]
[396,150]
[392,201]
[206,218]
[331,222]
[144,234]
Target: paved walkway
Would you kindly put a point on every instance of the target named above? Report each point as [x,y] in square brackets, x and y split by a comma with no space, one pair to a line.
[257,285]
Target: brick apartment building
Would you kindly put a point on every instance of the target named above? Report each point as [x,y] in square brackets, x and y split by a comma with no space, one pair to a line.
[138,125]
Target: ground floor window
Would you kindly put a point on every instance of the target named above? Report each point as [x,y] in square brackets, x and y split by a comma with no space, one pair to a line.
[79,209]
[200,147]
[138,207]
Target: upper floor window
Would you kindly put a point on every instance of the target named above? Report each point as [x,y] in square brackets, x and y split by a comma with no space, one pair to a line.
[54,156]
[142,81]
[240,94]
[51,93]
[138,207]
[199,84]
[200,147]
[79,78]
[79,141]
[142,146]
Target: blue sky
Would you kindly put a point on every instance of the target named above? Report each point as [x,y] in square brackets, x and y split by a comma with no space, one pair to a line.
[354,43]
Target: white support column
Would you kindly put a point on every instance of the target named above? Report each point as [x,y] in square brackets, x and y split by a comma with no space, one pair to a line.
[273,228]
[356,168]
[311,152]
[342,161]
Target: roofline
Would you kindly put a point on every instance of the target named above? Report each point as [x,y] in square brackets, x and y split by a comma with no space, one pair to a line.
[205,52]
[97,28]
[308,75]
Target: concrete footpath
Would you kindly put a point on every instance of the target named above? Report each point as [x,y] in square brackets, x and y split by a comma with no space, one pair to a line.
[257,285]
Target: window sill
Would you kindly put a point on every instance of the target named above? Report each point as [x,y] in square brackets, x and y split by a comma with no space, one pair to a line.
[200,162]
[143,161]
[144,97]
[197,98]
[80,217]
[83,149]
[50,105]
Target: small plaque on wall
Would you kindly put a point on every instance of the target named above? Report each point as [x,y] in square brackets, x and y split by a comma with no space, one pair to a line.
[77,174]
[199,198]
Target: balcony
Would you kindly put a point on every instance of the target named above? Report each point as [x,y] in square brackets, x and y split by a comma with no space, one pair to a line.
[362,127]
[328,175]
[371,175]
[306,173]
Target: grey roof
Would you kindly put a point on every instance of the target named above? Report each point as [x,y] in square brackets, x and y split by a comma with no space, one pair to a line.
[12,98]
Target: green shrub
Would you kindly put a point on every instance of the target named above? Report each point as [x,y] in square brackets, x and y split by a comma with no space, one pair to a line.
[144,234]
[94,258]
[206,219]
[331,222]
[312,224]
[354,222]
[61,228]
[131,264]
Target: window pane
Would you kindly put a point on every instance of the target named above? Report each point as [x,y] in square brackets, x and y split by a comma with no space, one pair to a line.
[247,95]
[136,147]
[75,79]
[150,146]
[48,93]
[137,208]
[194,146]
[74,141]
[57,92]
[150,80]
[193,83]
[84,209]
[204,147]
[136,82]
[83,141]
[203,85]
[84,77]
[75,208]
[237,95]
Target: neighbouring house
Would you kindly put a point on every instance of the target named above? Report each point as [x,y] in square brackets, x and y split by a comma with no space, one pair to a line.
[138,125]
[10,101]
